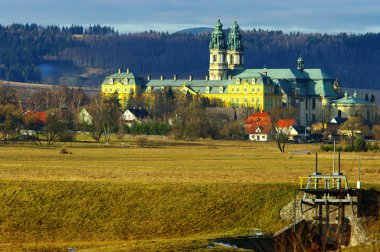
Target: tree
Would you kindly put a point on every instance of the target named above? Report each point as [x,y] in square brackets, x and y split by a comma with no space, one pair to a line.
[8,95]
[373,99]
[54,127]
[353,126]
[105,114]
[280,136]
[191,120]
[10,121]
[366,97]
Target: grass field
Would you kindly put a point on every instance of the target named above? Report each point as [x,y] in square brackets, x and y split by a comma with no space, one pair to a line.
[168,196]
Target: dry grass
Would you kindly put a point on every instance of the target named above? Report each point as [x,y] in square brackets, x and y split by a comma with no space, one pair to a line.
[204,162]
[170,195]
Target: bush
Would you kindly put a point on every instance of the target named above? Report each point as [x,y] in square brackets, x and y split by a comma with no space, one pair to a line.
[348,148]
[68,136]
[360,144]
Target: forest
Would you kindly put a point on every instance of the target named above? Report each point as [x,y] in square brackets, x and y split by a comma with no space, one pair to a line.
[353,58]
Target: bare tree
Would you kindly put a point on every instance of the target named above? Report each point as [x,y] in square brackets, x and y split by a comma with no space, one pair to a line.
[8,95]
[54,127]
[280,136]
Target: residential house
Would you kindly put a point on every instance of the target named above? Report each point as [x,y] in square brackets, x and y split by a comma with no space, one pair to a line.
[84,117]
[258,126]
[134,115]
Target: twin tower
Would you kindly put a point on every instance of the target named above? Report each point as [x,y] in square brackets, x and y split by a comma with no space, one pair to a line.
[225,55]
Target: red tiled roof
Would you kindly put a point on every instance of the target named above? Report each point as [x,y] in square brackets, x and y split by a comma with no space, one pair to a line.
[39,117]
[259,117]
[285,123]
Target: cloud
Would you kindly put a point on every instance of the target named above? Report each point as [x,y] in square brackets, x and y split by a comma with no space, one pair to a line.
[171,15]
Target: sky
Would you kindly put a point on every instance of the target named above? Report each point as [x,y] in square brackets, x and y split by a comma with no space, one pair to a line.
[324,16]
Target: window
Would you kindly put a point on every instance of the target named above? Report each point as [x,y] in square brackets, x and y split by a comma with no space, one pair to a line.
[258,100]
[258,90]
[232,90]
[221,90]
[125,89]
[253,80]
[306,104]
[214,58]
[237,80]
[126,81]
[253,90]
[237,99]
[118,90]
[131,90]
[110,89]
[207,90]
[231,59]
[110,81]
[245,90]
[106,90]
[237,90]
[313,117]
[313,104]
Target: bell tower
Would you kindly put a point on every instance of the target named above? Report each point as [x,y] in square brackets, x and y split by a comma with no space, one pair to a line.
[235,52]
[218,62]
[300,64]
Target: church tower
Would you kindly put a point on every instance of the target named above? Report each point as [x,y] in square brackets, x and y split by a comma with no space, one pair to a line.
[235,52]
[218,62]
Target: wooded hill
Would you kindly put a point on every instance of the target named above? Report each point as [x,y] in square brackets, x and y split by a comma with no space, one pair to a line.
[353,58]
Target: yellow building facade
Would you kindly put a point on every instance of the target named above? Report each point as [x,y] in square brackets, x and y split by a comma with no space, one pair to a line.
[227,84]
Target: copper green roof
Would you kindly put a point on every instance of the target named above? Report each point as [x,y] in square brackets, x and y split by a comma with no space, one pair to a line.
[234,38]
[286,73]
[350,100]
[217,37]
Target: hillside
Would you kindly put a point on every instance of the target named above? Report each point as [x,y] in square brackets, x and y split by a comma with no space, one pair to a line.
[353,58]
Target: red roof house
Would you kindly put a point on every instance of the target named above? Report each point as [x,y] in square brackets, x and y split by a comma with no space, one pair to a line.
[258,126]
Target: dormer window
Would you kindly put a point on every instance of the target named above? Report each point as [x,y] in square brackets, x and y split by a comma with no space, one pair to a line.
[162,88]
[126,80]
[221,89]
[253,80]
[207,89]
[110,81]
[237,80]
[149,89]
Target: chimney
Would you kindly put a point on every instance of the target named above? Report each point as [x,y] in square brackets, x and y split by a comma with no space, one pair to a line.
[162,77]
[190,77]
[119,71]
[175,77]
[229,77]
[127,70]
[149,77]
[206,78]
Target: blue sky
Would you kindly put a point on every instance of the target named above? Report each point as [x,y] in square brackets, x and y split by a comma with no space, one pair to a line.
[329,16]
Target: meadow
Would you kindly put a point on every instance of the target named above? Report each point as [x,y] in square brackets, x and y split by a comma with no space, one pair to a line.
[167,195]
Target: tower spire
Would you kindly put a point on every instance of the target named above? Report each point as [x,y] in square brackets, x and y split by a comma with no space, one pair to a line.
[218,64]
[235,53]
